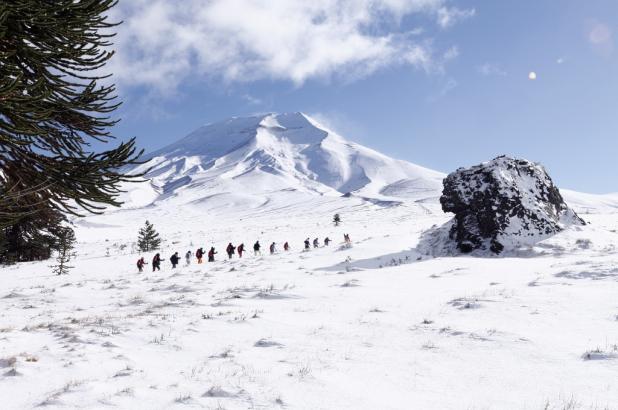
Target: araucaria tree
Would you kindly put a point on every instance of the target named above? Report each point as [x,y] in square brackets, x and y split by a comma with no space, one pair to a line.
[66,243]
[148,239]
[336,219]
[34,236]
[53,106]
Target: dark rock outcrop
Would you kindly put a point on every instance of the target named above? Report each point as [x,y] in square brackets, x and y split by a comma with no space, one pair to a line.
[503,203]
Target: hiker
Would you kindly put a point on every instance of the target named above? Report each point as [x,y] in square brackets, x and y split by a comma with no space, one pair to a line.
[286,246]
[241,249]
[326,241]
[272,248]
[230,250]
[188,257]
[156,262]
[199,254]
[346,238]
[140,264]
[256,248]
[307,244]
[211,254]
[174,259]
[316,243]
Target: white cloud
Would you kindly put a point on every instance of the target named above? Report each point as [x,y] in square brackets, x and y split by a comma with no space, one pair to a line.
[161,43]
[600,37]
[451,53]
[448,16]
[600,34]
[446,88]
[252,100]
[489,69]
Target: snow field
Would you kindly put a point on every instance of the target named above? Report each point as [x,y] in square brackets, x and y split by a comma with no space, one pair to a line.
[361,328]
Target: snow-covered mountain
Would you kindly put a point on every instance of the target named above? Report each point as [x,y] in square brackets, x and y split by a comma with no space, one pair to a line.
[305,330]
[244,160]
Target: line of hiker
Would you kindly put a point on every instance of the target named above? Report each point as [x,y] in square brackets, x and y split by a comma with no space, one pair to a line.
[327,241]
[230,250]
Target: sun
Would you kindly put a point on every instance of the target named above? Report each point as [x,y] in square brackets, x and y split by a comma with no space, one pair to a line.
[532,75]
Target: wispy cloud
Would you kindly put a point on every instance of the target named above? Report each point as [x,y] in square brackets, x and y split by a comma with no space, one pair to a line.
[601,37]
[451,53]
[252,100]
[161,44]
[449,85]
[448,16]
[489,69]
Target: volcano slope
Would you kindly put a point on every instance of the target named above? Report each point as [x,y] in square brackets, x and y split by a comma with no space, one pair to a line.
[377,325]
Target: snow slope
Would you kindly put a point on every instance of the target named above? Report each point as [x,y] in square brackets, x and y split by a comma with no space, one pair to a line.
[366,327]
[378,325]
[591,203]
[265,155]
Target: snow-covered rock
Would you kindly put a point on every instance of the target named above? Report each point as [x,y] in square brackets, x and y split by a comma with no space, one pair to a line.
[504,204]
[245,161]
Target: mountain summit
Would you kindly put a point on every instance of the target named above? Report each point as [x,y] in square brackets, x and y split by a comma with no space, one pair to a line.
[273,153]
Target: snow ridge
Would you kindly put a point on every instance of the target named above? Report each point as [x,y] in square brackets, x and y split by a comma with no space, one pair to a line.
[270,153]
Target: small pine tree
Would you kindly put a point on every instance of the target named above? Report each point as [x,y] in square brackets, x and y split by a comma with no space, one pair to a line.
[148,239]
[66,243]
[336,219]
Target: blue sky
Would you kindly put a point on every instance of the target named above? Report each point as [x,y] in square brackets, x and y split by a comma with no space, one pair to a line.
[440,83]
